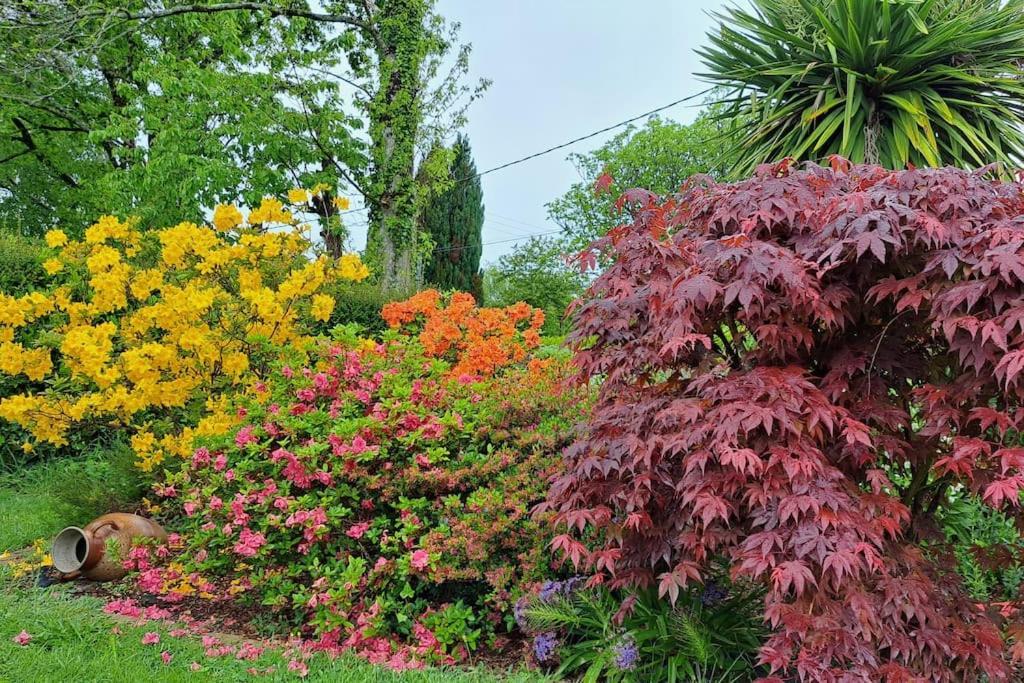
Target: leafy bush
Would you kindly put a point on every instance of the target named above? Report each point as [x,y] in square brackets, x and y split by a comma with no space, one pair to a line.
[536,272]
[356,302]
[385,489]
[774,353]
[151,331]
[986,546]
[710,634]
[21,264]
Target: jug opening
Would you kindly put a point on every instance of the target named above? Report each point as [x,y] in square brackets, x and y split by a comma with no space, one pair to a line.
[70,550]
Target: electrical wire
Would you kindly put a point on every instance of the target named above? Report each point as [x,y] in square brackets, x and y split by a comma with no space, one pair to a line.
[563,145]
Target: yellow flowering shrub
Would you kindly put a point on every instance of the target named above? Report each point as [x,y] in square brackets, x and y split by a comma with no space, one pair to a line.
[150,332]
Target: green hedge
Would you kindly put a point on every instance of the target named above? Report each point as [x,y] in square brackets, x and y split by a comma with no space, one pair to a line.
[21,260]
[358,303]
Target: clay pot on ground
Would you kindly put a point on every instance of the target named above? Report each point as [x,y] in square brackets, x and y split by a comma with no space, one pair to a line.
[98,551]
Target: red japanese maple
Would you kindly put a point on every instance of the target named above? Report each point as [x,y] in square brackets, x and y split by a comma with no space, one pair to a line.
[771,353]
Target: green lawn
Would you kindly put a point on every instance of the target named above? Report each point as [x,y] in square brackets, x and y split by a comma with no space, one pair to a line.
[72,638]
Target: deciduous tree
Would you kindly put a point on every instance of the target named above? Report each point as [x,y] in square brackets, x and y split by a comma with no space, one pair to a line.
[796,370]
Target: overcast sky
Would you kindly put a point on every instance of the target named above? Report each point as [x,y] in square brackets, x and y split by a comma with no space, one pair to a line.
[562,69]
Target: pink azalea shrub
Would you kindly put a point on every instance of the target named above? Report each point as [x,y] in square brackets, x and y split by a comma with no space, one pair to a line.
[377,500]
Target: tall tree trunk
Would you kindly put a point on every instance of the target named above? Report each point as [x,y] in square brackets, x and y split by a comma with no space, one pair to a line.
[395,114]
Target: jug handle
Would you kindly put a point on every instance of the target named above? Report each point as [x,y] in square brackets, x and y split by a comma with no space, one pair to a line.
[112,525]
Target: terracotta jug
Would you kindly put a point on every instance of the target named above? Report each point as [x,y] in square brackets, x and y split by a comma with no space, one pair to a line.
[98,551]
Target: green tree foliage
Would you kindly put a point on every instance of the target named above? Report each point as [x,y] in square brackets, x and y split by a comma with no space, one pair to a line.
[159,118]
[454,220]
[536,272]
[658,157]
[159,108]
[934,82]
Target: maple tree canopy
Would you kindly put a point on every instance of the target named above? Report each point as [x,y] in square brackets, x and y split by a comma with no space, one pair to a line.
[795,370]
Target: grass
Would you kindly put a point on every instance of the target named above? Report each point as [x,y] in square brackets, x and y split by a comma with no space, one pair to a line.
[39,500]
[72,638]
[72,641]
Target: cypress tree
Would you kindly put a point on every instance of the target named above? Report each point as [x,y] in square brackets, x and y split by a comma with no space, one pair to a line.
[455,219]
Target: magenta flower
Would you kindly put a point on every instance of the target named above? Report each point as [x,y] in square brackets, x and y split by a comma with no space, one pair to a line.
[151,638]
[22,638]
[166,656]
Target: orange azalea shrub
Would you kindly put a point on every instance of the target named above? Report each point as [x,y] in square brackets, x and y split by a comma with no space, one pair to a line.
[477,340]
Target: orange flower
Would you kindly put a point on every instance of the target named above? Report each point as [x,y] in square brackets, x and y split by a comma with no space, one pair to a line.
[478,341]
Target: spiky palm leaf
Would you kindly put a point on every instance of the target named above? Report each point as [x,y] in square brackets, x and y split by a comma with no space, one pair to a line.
[928,82]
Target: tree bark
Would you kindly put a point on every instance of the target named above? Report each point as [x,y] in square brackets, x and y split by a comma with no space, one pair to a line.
[395,114]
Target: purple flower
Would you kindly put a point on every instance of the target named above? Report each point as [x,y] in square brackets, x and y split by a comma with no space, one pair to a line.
[519,611]
[549,590]
[544,646]
[713,594]
[625,653]
[570,585]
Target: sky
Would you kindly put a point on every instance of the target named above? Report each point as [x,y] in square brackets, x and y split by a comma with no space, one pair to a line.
[562,69]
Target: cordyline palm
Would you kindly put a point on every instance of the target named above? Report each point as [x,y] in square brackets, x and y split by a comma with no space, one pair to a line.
[931,83]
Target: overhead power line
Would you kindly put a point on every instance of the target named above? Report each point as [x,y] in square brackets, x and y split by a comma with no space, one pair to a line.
[514,239]
[563,145]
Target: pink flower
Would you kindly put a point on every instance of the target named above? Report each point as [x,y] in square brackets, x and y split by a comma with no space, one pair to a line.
[287,371]
[22,638]
[220,462]
[151,638]
[420,559]
[357,530]
[249,651]
[216,503]
[422,460]
[195,666]
[190,508]
[298,667]
[249,542]
[166,656]
[200,458]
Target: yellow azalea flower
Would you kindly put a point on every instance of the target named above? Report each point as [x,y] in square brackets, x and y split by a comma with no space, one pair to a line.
[298,196]
[342,203]
[27,447]
[162,318]
[270,210]
[322,307]
[56,238]
[52,266]
[226,216]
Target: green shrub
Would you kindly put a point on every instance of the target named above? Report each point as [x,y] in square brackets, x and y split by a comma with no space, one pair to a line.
[712,633]
[21,264]
[986,546]
[358,303]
